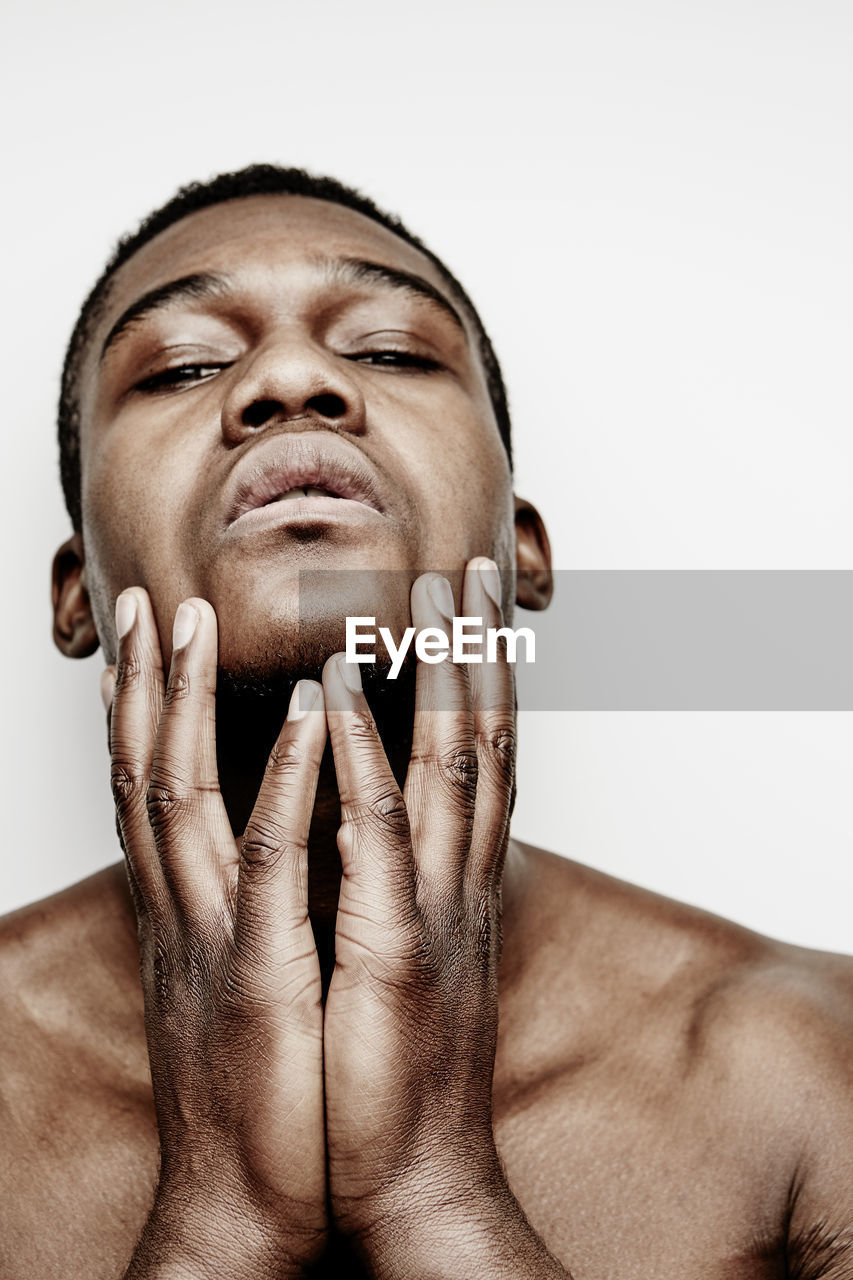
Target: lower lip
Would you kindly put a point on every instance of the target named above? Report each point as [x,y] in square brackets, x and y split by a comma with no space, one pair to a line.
[302,511]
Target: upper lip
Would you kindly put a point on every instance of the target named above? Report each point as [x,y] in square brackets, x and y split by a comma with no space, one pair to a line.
[288,462]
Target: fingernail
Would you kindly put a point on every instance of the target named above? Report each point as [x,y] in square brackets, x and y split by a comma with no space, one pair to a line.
[125,613]
[490,579]
[108,684]
[303,698]
[350,674]
[441,596]
[186,621]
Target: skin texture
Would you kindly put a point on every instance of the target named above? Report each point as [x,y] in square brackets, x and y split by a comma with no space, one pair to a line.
[329,1063]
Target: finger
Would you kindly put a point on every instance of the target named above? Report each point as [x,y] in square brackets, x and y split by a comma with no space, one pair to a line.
[272,887]
[108,688]
[441,782]
[133,717]
[185,806]
[493,696]
[378,884]
[108,684]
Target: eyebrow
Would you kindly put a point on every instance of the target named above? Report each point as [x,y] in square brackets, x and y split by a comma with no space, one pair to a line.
[361,270]
[206,284]
[201,285]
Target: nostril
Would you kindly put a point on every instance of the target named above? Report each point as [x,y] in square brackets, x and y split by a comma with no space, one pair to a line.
[259,412]
[328,405]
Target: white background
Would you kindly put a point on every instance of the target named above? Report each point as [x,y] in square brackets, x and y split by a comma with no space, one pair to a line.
[651,204]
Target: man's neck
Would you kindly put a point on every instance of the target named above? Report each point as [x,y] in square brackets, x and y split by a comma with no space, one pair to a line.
[247,728]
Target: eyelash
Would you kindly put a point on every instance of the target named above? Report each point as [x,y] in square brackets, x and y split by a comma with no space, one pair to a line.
[179,375]
[401,360]
[184,374]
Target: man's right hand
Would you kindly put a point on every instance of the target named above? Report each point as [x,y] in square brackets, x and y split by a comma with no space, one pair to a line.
[230,971]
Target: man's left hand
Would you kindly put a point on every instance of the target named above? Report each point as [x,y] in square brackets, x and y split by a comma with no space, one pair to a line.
[412,1011]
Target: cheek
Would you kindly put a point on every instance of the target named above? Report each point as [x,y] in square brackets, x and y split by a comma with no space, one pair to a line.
[133,526]
[464,496]
[138,476]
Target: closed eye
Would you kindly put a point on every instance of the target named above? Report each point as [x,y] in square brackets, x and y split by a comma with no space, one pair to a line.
[396,360]
[179,376]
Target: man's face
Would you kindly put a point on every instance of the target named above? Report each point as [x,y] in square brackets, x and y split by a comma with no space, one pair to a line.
[284,366]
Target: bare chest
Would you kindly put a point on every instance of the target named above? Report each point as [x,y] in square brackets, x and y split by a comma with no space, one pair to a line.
[616,1185]
[625,1176]
[78,1175]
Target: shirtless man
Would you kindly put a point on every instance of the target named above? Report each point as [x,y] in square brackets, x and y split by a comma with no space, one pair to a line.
[315,903]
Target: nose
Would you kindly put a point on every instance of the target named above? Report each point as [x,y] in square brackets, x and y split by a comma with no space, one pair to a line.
[292,379]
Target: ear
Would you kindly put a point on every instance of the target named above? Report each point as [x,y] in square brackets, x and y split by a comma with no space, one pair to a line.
[74,631]
[534,581]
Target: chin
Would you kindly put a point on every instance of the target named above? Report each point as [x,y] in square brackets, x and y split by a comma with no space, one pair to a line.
[289,639]
[272,671]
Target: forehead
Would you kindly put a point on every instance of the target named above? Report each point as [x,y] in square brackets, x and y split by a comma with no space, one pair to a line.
[266,232]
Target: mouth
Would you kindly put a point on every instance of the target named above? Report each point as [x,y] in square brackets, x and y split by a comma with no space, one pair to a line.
[309,491]
[291,478]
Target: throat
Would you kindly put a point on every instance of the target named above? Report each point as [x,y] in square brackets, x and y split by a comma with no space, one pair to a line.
[248,724]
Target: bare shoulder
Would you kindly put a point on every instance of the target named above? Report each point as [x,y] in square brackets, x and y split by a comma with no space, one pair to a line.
[736,983]
[74,1083]
[69,994]
[733,995]
[748,1038]
[64,943]
[780,1029]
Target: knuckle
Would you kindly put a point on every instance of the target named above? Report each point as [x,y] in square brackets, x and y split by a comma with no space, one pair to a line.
[128,783]
[383,814]
[128,673]
[388,810]
[460,768]
[362,728]
[284,758]
[496,744]
[164,800]
[265,845]
[177,688]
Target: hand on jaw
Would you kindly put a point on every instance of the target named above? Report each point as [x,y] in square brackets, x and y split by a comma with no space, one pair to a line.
[278,1116]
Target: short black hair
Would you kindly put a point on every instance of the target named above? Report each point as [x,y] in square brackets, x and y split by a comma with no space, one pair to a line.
[254,180]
